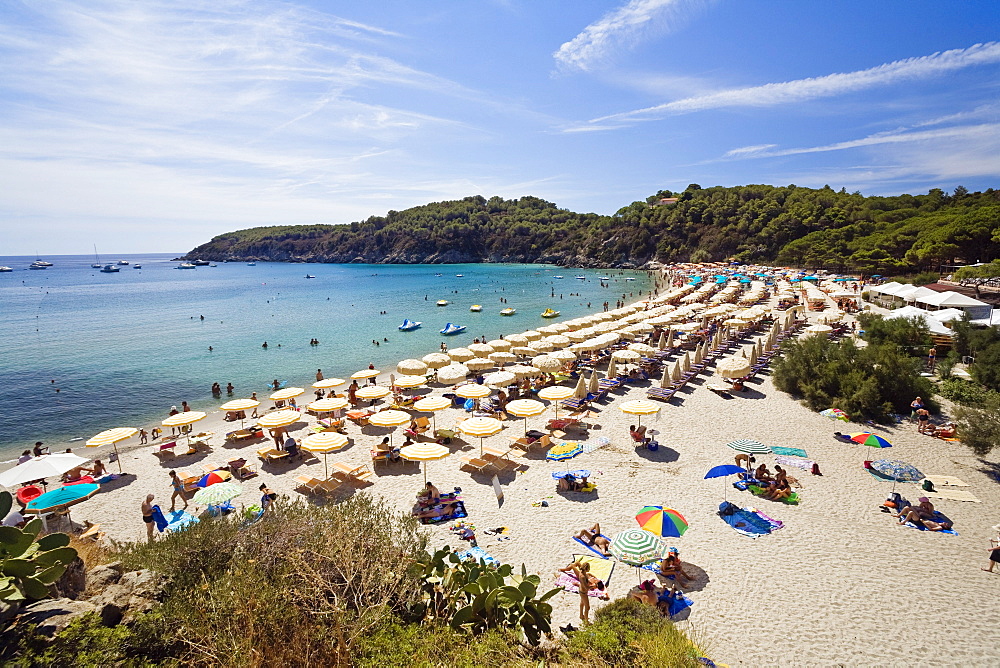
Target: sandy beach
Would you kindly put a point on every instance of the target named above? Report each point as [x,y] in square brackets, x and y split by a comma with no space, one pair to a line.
[840,584]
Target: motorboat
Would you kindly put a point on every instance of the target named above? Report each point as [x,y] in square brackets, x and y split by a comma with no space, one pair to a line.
[409,325]
[110,269]
[438,275]
[123,263]
[508,311]
[459,275]
[200,263]
[629,278]
[580,278]
[186,265]
[442,302]
[604,278]
[137,266]
[2,269]
[450,329]
[549,313]
[557,276]
[251,264]
[39,265]
[476,308]
[310,276]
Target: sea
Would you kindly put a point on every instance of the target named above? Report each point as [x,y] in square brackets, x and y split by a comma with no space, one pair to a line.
[83,351]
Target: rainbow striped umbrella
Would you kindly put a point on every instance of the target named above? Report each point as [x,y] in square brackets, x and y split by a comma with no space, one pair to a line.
[662,521]
[870,439]
[214,477]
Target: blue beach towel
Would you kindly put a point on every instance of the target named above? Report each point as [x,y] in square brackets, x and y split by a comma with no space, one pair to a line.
[676,604]
[747,521]
[592,548]
[479,554]
[793,452]
[158,519]
[180,519]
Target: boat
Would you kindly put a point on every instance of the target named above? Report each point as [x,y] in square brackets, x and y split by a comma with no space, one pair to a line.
[549,313]
[438,275]
[200,263]
[310,276]
[442,302]
[186,265]
[2,269]
[98,264]
[39,265]
[137,266]
[557,276]
[251,264]
[459,275]
[409,325]
[629,278]
[213,265]
[123,263]
[508,311]
[580,278]
[110,269]
[604,278]
[450,329]
[476,308]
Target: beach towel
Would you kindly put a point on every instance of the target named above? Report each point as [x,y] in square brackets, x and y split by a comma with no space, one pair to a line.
[675,602]
[571,585]
[747,521]
[938,517]
[479,554]
[595,444]
[457,515]
[599,568]
[953,495]
[950,481]
[158,519]
[591,547]
[785,460]
[180,519]
[795,452]
[792,500]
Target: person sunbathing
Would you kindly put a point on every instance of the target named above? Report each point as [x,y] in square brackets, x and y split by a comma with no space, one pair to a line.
[931,525]
[443,509]
[98,470]
[593,537]
[946,432]
[923,509]
[779,490]
[671,566]
[763,474]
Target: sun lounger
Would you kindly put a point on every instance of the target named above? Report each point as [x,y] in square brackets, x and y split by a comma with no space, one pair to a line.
[168,446]
[660,393]
[475,462]
[244,434]
[952,495]
[358,473]
[308,483]
[241,470]
[272,454]
[360,417]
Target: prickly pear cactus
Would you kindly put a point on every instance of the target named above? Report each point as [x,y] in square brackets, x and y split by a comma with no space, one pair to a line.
[30,565]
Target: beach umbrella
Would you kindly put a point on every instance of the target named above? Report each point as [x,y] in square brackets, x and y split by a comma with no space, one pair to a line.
[461,354]
[218,494]
[594,384]
[183,420]
[870,439]
[452,373]
[236,405]
[531,335]
[473,391]
[898,471]
[524,351]
[61,498]
[325,443]
[40,467]
[547,363]
[670,339]
[481,349]
[581,388]
[686,362]
[579,473]
[373,392]
[626,355]
[327,383]
[287,393]
[499,345]
[555,394]
[500,379]
[665,379]
[636,547]
[432,405]
[503,357]
[436,360]
[642,348]
[542,346]
[563,355]
[685,327]
[733,367]
[753,355]
[611,369]
[365,373]
[835,414]
[480,364]
[412,367]
[558,340]
[424,452]
[409,382]
[749,446]
[525,408]
[818,329]
[111,437]
[639,407]
[279,419]
[662,521]
[389,418]
[564,450]
[214,477]
[722,471]
[480,427]
[327,405]
[523,371]
[517,340]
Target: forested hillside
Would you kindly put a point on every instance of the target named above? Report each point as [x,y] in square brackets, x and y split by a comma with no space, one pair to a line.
[820,228]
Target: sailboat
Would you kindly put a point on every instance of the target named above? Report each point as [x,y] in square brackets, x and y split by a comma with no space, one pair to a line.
[98,264]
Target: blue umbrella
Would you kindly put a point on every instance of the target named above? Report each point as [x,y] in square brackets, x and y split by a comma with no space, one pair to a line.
[62,498]
[722,471]
[579,473]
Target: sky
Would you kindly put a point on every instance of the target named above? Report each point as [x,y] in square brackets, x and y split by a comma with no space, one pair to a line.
[153,126]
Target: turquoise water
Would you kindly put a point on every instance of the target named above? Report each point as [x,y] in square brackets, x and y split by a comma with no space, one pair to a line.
[123,348]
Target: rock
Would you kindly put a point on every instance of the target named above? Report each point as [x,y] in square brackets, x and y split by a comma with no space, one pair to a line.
[100,577]
[54,614]
[144,584]
[73,582]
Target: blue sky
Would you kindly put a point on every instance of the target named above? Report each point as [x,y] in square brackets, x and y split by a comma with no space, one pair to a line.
[155,125]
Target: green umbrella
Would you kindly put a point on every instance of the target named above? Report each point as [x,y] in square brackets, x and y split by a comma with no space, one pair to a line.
[218,493]
[749,446]
[636,547]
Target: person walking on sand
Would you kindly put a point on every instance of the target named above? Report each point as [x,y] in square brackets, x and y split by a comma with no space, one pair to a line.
[994,550]
[147,516]
[178,486]
[253,397]
[143,437]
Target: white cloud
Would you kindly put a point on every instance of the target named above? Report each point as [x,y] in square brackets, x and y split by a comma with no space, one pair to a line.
[801,90]
[752,151]
[622,27]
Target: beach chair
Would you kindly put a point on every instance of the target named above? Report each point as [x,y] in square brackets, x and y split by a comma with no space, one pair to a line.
[308,483]
[474,462]
[241,470]
[244,434]
[92,532]
[360,418]
[660,393]
[330,485]
[189,481]
[380,456]
[160,448]
[423,425]
[272,454]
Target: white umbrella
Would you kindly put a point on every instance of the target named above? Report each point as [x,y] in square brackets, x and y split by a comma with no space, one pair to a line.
[480,364]
[424,452]
[412,367]
[499,345]
[480,427]
[365,373]
[547,363]
[452,373]
[642,348]
[625,355]
[461,354]
[436,360]
[373,392]
[733,367]
[563,355]
[500,379]
[40,467]
[532,335]
[409,382]
[327,383]
[481,349]
[503,357]
[517,339]
[523,371]
[524,350]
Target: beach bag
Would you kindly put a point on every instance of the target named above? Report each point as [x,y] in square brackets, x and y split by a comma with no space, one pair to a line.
[815,469]
[927,486]
[653,446]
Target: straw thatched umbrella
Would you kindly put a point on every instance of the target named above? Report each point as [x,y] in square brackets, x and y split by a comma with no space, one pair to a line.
[662,343]
[524,371]
[581,388]
[611,369]
[665,379]
[412,367]
[461,354]
[532,335]
[481,349]
[503,357]
[518,339]
[594,384]
[547,363]
[436,360]
[452,373]
[733,367]
[686,361]
[480,364]
[499,345]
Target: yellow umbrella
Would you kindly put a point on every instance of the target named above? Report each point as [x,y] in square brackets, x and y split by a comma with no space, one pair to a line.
[327,405]
[373,392]
[286,393]
[111,437]
[327,383]
[424,452]
[525,408]
[365,373]
[432,405]
[279,419]
[183,420]
[480,427]
[389,418]
[325,443]
[473,391]
[409,382]
[239,405]
[640,407]
[555,394]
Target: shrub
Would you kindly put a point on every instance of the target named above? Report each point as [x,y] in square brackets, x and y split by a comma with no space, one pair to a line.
[966,393]
[979,428]
[910,334]
[986,369]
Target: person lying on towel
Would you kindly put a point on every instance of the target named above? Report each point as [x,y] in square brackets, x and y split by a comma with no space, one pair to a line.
[593,537]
